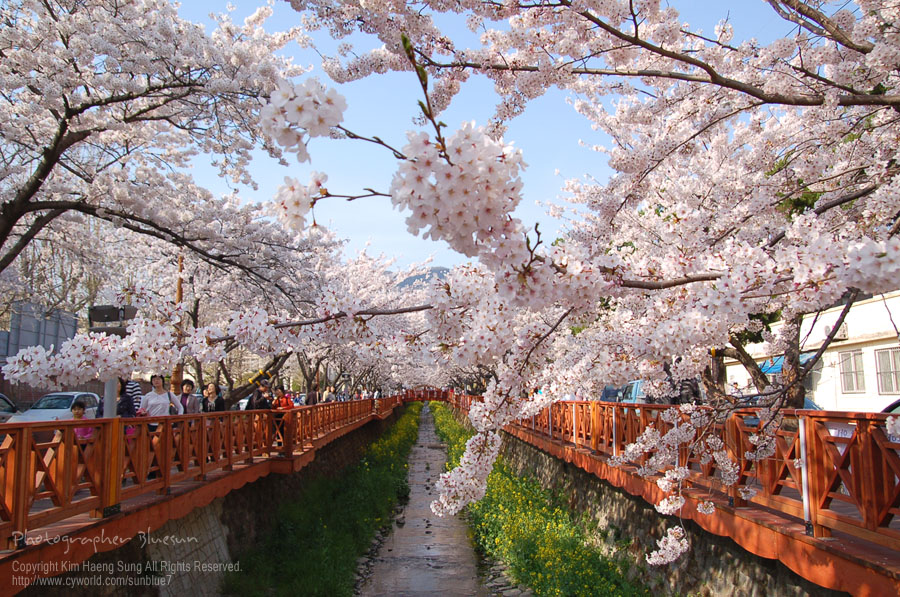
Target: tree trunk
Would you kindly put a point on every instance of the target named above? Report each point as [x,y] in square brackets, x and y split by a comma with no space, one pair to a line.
[759,379]
[791,378]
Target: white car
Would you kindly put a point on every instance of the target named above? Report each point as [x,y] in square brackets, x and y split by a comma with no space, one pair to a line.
[57,406]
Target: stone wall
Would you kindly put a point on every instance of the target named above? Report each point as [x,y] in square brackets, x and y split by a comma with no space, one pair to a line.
[627,528]
[190,555]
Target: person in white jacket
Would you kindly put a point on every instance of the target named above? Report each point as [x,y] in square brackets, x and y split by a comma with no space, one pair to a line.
[155,403]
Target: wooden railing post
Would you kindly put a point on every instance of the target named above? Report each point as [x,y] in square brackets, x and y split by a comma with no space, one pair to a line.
[734,447]
[804,475]
[574,424]
[17,485]
[550,420]
[165,458]
[203,450]
[595,426]
[288,432]
[229,441]
[868,472]
[615,431]
[112,440]
[67,460]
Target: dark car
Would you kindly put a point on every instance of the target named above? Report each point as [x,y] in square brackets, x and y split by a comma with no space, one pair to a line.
[753,420]
[610,394]
[893,408]
[7,408]
[634,392]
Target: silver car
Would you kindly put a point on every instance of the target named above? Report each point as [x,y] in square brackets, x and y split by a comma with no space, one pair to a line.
[58,407]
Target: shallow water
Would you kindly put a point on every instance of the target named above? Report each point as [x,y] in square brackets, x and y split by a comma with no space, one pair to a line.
[425,554]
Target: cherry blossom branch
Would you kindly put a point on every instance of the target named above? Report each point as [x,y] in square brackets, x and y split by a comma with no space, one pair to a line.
[336,316]
[829,338]
[544,337]
[374,139]
[717,79]
[809,19]
[836,202]
[663,284]
[851,98]
[427,109]
[371,193]
[33,229]
[153,229]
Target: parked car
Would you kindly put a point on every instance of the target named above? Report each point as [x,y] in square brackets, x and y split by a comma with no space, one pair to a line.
[57,406]
[241,404]
[893,408]
[7,408]
[611,394]
[633,392]
[753,420]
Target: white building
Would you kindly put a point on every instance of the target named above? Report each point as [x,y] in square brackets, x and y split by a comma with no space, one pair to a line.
[860,370]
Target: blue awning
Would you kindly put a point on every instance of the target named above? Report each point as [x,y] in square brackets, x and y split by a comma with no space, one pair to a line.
[775,364]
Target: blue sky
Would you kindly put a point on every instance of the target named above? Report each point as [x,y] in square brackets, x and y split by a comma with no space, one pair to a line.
[549,133]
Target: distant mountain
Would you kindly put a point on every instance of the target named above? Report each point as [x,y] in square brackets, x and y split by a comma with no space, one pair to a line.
[433,273]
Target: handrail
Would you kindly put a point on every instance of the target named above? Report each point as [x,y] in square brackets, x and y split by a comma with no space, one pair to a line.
[852,465]
[49,472]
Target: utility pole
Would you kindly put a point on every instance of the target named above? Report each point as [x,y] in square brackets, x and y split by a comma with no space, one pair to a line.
[177,372]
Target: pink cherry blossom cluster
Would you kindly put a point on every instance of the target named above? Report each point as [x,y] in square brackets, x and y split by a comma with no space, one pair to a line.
[203,344]
[467,483]
[298,112]
[892,424]
[149,344]
[254,330]
[462,193]
[706,507]
[670,505]
[669,548]
[293,200]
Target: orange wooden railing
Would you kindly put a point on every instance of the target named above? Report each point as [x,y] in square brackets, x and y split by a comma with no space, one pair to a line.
[48,474]
[850,481]
[425,393]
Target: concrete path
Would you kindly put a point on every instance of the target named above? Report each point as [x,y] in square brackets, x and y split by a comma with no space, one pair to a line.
[425,554]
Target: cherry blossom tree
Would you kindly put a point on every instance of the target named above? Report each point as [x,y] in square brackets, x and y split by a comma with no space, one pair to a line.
[107,102]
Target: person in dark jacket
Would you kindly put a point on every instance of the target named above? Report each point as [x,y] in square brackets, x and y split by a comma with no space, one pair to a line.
[312,397]
[212,399]
[125,405]
[260,400]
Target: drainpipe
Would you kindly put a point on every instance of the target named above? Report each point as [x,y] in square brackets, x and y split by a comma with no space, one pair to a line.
[804,476]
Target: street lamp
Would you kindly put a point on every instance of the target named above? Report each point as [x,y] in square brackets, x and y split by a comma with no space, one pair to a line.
[107,315]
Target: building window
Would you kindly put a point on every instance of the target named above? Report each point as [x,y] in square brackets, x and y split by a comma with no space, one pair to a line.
[852,380]
[888,366]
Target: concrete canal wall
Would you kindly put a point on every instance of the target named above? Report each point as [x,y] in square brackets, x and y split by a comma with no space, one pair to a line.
[628,527]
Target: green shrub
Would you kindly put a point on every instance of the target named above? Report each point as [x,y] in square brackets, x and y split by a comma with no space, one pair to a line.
[320,535]
[533,531]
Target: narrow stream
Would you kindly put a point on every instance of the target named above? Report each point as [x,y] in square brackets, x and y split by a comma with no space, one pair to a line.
[425,554]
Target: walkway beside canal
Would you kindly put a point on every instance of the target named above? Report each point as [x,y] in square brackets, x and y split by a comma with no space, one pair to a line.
[425,554]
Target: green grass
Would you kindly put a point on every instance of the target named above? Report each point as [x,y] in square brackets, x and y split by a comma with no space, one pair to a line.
[321,534]
[533,531]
